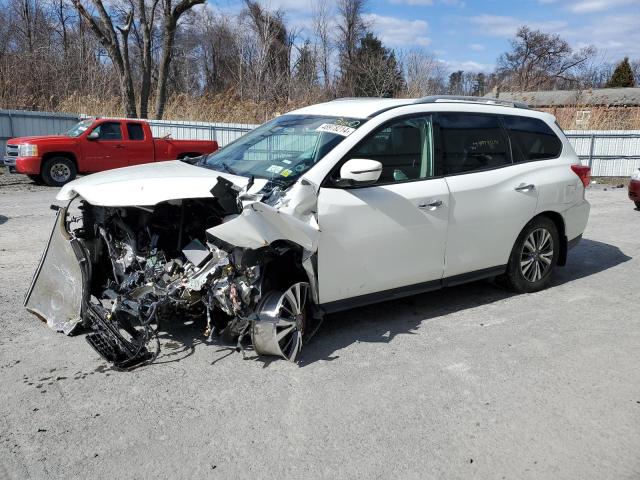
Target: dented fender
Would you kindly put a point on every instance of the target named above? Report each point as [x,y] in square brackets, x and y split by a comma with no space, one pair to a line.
[260,225]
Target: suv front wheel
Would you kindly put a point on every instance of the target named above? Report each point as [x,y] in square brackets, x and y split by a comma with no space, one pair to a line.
[534,256]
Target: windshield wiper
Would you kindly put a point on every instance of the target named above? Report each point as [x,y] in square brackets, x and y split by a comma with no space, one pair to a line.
[227,168]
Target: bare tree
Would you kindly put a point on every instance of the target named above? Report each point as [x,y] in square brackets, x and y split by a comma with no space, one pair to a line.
[321,27]
[425,75]
[539,60]
[351,28]
[171,17]
[117,47]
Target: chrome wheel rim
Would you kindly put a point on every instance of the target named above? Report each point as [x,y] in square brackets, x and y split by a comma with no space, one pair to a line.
[60,172]
[282,322]
[537,253]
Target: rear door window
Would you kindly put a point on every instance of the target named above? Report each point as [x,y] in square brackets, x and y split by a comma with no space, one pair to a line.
[466,142]
[532,139]
[135,131]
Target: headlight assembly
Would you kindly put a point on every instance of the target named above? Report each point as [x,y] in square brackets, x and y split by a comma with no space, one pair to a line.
[27,150]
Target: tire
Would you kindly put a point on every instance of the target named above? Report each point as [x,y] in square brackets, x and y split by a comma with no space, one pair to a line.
[534,256]
[57,171]
[37,179]
[637,205]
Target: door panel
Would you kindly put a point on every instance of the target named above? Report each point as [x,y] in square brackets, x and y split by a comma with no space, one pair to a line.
[107,151]
[487,213]
[377,238]
[137,148]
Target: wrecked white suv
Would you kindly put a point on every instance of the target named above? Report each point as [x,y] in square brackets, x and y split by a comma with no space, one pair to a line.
[326,208]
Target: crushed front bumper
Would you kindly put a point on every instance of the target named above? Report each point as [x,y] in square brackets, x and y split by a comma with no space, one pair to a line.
[59,287]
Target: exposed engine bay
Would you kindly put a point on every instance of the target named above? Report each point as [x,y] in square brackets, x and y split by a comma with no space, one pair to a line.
[125,273]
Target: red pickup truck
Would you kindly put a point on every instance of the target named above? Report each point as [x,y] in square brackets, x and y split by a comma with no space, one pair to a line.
[95,145]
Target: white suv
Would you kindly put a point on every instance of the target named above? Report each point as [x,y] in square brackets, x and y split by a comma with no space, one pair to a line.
[326,208]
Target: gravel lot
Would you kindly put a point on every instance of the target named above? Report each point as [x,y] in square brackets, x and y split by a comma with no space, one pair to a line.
[468,382]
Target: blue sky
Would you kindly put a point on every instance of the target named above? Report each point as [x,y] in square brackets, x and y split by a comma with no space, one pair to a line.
[470,34]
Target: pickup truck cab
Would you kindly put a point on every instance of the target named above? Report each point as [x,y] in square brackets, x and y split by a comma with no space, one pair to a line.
[94,145]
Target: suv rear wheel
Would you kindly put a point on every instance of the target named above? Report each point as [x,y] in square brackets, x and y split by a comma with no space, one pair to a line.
[57,171]
[534,256]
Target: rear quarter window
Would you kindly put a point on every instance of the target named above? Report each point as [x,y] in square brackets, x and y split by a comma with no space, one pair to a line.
[135,131]
[531,139]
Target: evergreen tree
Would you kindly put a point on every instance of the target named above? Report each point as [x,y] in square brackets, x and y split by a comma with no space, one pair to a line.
[455,83]
[377,71]
[622,75]
[480,85]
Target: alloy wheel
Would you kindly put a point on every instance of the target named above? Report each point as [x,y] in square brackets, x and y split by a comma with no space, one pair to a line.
[283,318]
[537,253]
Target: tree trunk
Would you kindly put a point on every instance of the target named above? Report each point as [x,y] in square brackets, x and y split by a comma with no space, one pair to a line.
[165,63]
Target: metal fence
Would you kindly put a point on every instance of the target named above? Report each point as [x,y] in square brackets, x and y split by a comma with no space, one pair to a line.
[20,123]
[610,153]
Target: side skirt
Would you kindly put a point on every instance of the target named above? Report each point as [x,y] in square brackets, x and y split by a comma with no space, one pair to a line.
[395,293]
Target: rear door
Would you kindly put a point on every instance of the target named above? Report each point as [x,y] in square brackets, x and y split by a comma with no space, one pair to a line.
[106,151]
[137,147]
[492,198]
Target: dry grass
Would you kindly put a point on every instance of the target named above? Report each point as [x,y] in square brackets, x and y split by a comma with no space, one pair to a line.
[208,108]
[227,107]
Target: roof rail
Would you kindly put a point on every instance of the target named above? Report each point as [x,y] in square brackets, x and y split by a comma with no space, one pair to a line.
[467,99]
[357,98]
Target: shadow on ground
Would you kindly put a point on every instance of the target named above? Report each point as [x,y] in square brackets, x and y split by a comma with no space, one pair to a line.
[381,323]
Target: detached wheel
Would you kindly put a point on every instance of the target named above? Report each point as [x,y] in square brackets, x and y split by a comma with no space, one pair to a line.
[57,171]
[284,318]
[534,256]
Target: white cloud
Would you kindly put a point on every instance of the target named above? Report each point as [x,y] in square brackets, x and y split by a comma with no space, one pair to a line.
[477,47]
[591,6]
[613,35]
[505,26]
[397,32]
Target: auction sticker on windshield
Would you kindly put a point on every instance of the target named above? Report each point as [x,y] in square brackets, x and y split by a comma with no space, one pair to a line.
[337,129]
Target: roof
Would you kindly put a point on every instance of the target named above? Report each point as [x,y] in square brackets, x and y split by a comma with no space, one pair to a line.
[591,97]
[353,107]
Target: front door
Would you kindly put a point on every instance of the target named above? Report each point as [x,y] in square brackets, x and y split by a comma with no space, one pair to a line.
[389,235]
[108,150]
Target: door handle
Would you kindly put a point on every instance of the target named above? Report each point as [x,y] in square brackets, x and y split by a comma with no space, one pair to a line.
[119,146]
[525,188]
[431,206]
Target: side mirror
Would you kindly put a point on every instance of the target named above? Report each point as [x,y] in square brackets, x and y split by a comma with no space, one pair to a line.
[94,135]
[360,171]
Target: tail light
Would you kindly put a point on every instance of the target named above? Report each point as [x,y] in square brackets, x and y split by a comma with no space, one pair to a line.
[583,172]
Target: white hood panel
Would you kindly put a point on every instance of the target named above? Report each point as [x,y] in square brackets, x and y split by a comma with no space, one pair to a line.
[148,184]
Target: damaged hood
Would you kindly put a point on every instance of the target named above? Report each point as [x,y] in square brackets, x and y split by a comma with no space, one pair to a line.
[149,184]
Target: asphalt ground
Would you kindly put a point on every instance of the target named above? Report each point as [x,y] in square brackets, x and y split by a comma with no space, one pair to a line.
[468,382]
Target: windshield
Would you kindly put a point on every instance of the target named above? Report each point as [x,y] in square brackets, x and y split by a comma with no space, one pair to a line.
[284,148]
[79,128]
